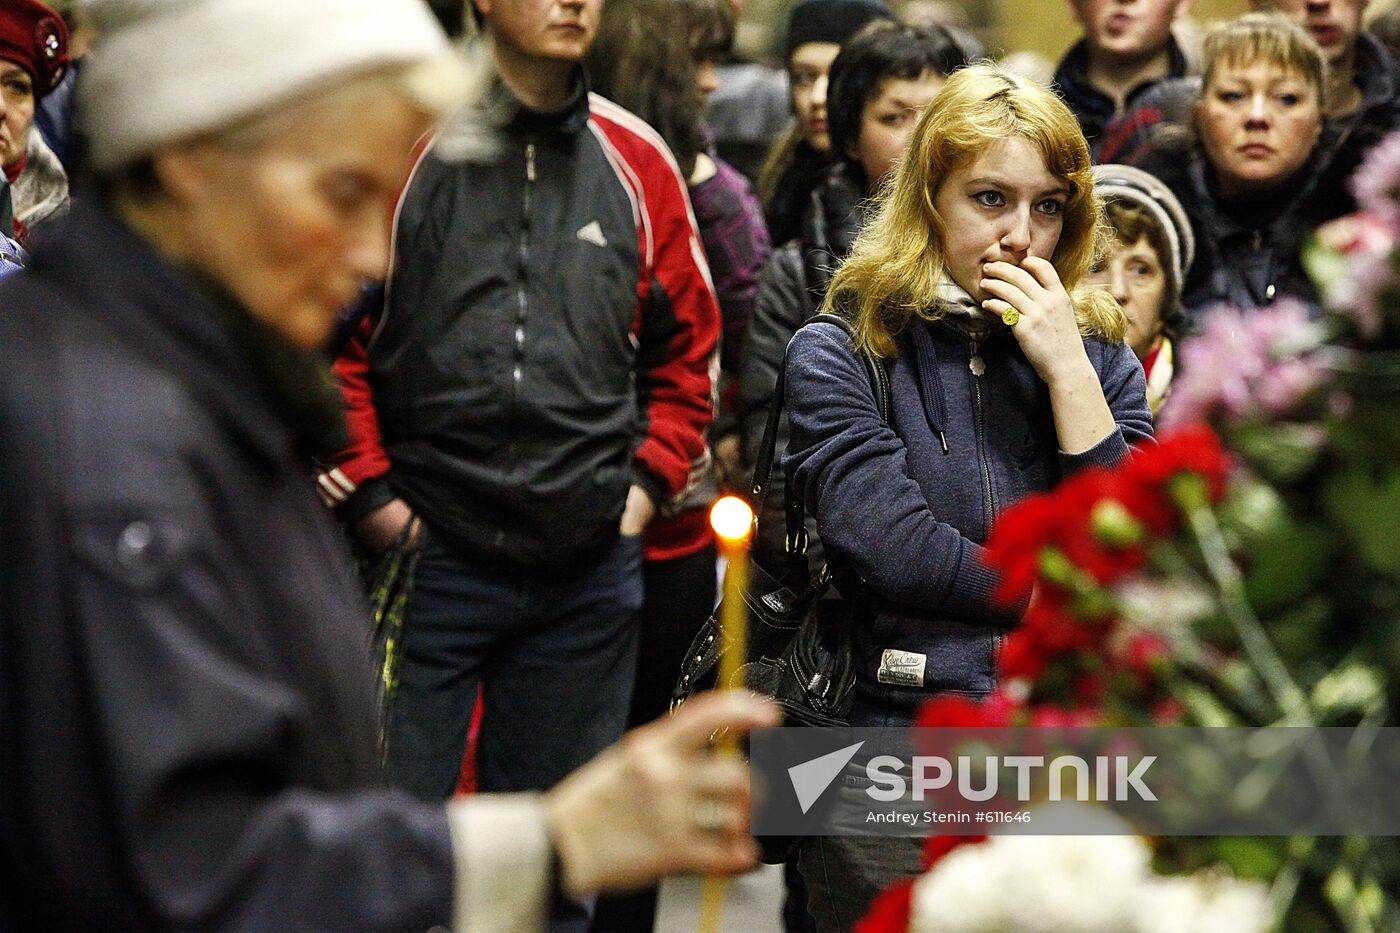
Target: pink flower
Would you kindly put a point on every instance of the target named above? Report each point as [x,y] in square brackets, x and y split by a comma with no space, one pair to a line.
[1246,364]
[1357,234]
[1376,183]
[1365,294]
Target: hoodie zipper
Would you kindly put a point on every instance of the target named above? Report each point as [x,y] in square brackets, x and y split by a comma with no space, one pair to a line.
[978,366]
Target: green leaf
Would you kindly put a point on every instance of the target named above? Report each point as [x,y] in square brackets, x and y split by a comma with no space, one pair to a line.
[1280,451]
[1252,857]
[1286,566]
[1325,265]
[1368,509]
[1202,708]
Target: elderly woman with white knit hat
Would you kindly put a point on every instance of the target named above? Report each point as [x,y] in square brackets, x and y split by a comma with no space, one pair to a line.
[187,723]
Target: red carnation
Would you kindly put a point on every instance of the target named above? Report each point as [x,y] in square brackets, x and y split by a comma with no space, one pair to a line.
[1158,478]
[1055,626]
[1050,716]
[1142,651]
[891,910]
[1096,531]
[1018,536]
[1020,657]
[1077,535]
[1168,712]
[1089,689]
[1000,707]
[936,847]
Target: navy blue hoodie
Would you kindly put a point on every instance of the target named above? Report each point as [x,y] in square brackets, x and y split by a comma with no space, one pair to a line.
[908,516]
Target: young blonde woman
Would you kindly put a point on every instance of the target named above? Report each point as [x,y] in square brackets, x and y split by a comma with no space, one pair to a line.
[1004,379]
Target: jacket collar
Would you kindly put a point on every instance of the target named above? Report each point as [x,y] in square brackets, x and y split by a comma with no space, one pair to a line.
[1072,76]
[216,349]
[830,224]
[1377,74]
[566,120]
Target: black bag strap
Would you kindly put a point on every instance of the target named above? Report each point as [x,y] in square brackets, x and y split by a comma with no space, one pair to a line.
[795,541]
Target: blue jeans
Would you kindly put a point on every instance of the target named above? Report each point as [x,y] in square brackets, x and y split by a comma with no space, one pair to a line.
[554,651]
[844,873]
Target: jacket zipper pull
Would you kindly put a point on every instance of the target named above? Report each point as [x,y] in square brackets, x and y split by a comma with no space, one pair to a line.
[975,363]
[529,161]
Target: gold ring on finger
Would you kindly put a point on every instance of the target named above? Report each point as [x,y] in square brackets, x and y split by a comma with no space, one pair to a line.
[1010,316]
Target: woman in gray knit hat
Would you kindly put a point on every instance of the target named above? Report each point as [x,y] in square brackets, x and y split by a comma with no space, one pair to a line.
[1151,255]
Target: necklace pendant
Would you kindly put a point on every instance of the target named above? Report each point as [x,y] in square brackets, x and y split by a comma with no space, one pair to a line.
[977,366]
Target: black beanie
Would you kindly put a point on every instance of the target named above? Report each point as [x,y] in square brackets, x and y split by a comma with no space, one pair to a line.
[830,21]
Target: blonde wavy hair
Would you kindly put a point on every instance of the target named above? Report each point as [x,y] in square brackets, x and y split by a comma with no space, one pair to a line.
[897,262]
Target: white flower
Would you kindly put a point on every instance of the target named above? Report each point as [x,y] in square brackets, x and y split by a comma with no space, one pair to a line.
[1078,884]
[1202,903]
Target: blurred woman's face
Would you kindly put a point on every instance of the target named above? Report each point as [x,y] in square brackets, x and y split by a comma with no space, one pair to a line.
[1258,123]
[293,224]
[887,122]
[1002,206]
[1132,273]
[16,112]
[807,70]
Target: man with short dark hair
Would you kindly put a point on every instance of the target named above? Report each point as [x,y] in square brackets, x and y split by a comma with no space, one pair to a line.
[535,390]
[1127,48]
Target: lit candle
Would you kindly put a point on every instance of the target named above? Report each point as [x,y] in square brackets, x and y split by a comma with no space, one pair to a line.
[732,520]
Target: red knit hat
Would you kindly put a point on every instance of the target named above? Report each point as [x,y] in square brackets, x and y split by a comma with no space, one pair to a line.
[35,38]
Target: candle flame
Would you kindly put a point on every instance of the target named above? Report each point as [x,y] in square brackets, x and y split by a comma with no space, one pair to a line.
[732,519]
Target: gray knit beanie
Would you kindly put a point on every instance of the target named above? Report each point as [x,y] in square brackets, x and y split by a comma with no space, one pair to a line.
[167,70]
[1125,183]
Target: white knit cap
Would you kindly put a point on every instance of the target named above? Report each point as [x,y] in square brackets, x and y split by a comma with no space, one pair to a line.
[166,70]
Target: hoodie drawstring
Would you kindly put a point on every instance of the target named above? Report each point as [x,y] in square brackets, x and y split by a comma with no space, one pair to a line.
[930,383]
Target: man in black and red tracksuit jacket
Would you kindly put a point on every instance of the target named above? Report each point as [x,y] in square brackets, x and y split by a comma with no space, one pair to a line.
[536,388]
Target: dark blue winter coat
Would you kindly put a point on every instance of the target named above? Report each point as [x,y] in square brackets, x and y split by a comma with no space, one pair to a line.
[908,516]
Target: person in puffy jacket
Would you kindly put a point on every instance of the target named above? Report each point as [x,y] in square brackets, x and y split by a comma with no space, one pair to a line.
[1003,379]
[799,159]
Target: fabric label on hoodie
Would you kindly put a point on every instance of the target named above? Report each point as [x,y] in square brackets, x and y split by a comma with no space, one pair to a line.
[902,667]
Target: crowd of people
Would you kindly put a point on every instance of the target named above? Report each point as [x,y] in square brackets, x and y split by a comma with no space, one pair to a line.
[557,270]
